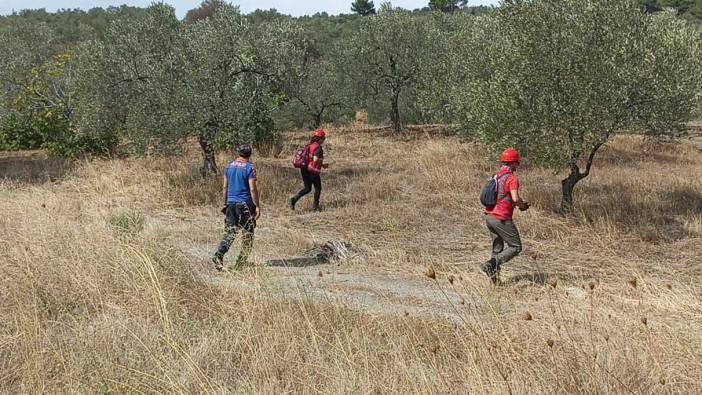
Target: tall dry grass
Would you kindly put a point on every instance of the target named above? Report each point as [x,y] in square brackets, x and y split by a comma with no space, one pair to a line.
[101,294]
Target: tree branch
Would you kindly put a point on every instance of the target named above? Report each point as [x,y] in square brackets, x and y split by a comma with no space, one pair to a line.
[590,159]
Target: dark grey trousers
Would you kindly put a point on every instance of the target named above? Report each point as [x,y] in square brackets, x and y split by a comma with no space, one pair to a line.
[238,217]
[503,232]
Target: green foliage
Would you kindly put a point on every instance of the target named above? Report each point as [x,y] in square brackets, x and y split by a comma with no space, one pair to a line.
[129,81]
[38,90]
[558,78]
[206,9]
[72,26]
[233,73]
[691,9]
[17,132]
[387,56]
[447,5]
[363,7]
[442,78]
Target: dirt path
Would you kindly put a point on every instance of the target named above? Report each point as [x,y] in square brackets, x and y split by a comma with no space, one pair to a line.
[360,282]
[351,286]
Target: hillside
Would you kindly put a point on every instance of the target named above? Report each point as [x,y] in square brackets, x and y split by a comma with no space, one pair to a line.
[107,286]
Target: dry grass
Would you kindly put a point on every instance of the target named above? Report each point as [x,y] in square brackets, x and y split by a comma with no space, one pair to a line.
[101,292]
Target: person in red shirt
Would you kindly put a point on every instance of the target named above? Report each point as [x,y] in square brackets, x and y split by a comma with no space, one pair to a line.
[499,218]
[312,173]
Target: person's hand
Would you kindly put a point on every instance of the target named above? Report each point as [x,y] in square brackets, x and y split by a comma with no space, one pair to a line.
[258,213]
[325,166]
[524,206]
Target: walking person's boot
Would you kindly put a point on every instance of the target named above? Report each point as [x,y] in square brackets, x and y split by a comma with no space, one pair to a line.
[218,261]
[492,270]
[291,202]
[224,245]
[246,247]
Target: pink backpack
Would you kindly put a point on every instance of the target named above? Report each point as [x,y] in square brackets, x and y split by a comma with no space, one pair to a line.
[302,157]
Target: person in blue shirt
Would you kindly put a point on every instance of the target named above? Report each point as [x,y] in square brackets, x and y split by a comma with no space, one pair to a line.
[242,207]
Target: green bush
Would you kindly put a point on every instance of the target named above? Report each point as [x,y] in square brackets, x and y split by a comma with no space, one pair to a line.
[59,138]
[18,133]
[128,223]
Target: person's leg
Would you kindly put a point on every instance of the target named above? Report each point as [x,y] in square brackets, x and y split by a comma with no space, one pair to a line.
[230,230]
[304,191]
[508,231]
[247,223]
[491,268]
[317,182]
[498,244]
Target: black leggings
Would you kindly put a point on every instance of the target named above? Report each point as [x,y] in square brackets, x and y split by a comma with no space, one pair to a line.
[310,180]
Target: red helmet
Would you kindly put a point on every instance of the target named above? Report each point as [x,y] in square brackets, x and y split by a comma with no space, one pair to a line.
[509,155]
[319,133]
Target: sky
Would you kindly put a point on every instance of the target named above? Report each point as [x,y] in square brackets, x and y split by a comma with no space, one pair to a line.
[292,7]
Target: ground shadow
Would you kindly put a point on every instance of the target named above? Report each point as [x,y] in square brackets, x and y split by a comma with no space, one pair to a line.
[33,167]
[296,262]
[318,255]
[661,219]
[542,278]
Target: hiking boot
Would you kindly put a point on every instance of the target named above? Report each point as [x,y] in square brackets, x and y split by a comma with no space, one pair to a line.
[291,203]
[218,262]
[491,269]
[316,209]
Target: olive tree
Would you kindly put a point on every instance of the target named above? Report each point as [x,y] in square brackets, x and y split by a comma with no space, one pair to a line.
[37,91]
[314,82]
[130,81]
[560,78]
[388,54]
[233,74]
[26,46]
[442,78]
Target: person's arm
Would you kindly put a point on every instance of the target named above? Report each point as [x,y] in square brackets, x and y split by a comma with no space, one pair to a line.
[255,196]
[318,162]
[318,159]
[518,200]
[225,184]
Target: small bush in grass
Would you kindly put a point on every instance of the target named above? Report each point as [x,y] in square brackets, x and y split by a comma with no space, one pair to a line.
[128,223]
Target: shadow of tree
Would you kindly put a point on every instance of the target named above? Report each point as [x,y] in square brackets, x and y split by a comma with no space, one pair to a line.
[660,152]
[655,217]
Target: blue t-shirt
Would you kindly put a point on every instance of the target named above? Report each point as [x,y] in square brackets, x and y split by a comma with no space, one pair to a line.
[238,175]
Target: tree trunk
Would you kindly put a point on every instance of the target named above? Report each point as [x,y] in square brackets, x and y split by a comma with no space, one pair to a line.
[209,164]
[568,183]
[395,110]
[318,118]
[567,186]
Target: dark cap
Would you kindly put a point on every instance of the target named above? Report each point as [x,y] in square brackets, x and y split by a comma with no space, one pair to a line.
[244,150]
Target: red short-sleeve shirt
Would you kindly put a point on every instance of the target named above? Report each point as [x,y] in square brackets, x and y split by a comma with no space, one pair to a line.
[504,209]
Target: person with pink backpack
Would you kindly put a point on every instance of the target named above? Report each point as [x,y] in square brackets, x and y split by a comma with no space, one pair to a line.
[310,160]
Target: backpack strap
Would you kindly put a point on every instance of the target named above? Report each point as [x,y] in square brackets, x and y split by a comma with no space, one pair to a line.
[311,148]
[503,196]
